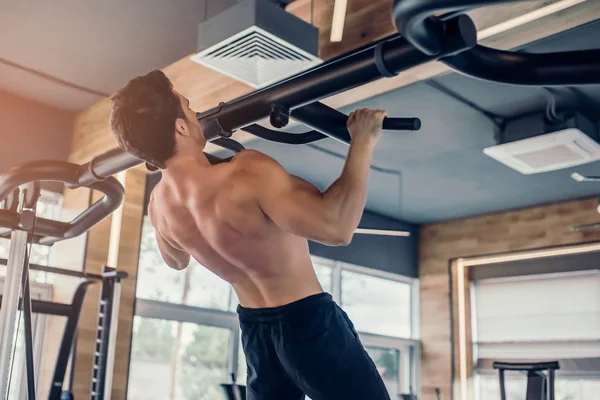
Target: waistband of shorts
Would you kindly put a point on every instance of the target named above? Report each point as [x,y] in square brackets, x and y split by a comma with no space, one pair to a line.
[307,304]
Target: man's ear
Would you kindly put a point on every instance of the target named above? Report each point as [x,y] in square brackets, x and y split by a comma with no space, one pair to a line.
[181,127]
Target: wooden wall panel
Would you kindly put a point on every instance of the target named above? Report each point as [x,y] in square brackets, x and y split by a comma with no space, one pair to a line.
[129,249]
[530,228]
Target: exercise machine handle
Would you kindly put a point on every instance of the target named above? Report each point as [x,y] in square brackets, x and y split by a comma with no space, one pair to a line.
[49,231]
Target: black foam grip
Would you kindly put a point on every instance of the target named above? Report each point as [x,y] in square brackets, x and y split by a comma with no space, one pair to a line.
[401,124]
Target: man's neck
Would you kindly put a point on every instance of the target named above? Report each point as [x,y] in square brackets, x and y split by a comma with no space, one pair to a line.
[183,159]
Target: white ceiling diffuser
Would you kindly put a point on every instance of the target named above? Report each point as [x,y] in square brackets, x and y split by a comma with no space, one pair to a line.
[258,43]
[549,152]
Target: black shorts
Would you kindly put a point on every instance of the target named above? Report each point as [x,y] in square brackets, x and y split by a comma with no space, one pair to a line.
[307,347]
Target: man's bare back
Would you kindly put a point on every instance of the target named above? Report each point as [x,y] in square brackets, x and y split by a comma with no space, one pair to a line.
[212,213]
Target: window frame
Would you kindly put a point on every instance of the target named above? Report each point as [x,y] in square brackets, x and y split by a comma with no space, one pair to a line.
[465,354]
[410,357]
[182,313]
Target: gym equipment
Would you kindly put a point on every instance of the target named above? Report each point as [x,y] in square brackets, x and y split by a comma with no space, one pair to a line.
[21,206]
[540,385]
[110,280]
[450,38]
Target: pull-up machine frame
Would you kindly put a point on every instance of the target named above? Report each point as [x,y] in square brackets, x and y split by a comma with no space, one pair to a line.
[423,37]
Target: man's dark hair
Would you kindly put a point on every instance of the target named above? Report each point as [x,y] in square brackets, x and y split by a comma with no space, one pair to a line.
[143,118]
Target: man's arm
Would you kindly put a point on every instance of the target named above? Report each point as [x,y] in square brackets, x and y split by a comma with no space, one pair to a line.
[330,217]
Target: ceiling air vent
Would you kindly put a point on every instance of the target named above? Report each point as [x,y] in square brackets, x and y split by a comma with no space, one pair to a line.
[258,43]
[549,152]
[532,144]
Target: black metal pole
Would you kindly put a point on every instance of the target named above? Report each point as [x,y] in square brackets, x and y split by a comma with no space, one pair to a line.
[550,387]
[531,69]
[502,388]
[59,271]
[72,358]
[327,80]
[48,308]
[28,326]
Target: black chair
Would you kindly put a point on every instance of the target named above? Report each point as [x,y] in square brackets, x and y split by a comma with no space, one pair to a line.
[540,378]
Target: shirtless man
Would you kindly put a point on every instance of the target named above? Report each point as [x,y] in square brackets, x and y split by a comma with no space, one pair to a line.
[249,222]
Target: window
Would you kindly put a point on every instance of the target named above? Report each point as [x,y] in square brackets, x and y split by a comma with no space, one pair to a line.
[377,305]
[324,271]
[387,362]
[48,207]
[538,308]
[172,360]
[533,318]
[185,330]
[381,307]
[156,281]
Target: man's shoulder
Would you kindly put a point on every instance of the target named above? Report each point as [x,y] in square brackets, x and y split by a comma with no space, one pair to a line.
[251,155]
[253,160]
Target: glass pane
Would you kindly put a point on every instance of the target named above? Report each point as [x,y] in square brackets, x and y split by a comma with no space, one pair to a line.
[194,286]
[176,361]
[39,254]
[207,290]
[576,389]
[234,301]
[376,305]
[388,365]
[514,383]
[324,275]
[204,362]
[4,248]
[152,350]
[242,367]
[156,281]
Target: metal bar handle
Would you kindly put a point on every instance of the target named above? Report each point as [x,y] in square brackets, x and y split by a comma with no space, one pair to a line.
[67,173]
[332,122]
